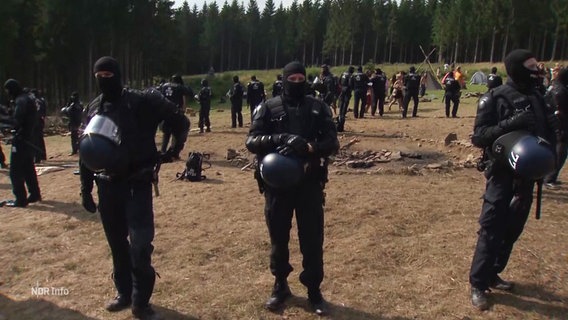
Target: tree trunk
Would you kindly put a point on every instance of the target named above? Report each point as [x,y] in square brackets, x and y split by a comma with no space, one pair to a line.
[476,48]
[505,40]
[313,49]
[249,52]
[351,51]
[492,53]
[363,48]
[375,57]
[555,42]
[276,54]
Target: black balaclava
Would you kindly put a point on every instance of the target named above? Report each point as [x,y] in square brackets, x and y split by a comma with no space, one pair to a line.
[378,71]
[235,79]
[521,76]
[350,69]
[176,78]
[293,90]
[13,88]
[110,87]
[412,69]
[204,83]
[325,69]
[494,70]
[359,69]
[279,77]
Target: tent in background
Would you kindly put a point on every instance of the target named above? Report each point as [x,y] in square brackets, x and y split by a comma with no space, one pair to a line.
[478,78]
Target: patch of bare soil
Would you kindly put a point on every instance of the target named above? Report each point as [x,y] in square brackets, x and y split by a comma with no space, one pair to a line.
[401,221]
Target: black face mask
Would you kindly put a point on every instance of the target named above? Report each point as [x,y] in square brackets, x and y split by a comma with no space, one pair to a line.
[524,79]
[111,88]
[294,90]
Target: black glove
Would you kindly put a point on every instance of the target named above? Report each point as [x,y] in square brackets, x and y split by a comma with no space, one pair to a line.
[523,120]
[293,144]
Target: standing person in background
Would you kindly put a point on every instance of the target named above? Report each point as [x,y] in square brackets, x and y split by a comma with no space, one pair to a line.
[236,96]
[411,84]
[359,84]
[378,82]
[423,80]
[22,169]
[255,93]
[493,79]
[452,94]
[557,101]
[204,99]
[344,97]
[277,86]
[460,77]
[175,91]
[74,112]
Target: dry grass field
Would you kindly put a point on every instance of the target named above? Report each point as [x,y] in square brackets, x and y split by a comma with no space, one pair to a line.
[399,237]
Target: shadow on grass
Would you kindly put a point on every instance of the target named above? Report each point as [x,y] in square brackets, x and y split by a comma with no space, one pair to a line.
[533,298]
[72,209]
[35,309]
[338,312]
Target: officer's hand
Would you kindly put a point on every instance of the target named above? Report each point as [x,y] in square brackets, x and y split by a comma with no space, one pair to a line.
[294,145]
[523,120]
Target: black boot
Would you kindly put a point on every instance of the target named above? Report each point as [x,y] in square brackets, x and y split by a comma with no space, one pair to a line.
[280,293]
[479,299]
[318,303]
[120,302]
[501,284]
[88,202]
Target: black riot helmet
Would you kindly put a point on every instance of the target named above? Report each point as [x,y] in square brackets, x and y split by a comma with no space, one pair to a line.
[176,78]
[235,79]
[99,147]
[351,69]
[412,69]
[204,83]
[13,88]
[281,172]
[529,156]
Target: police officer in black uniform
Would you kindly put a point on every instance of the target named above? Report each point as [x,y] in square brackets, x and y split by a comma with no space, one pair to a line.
[378,80]
[452,94]
[359,80]
[22,168]
[329,85]
[344,97]
[411,83]
[204,99]
[124,181]
[557,100]
[175,91]
[277,86]
[515,105]
[299,126]
[236,96]
[493,79]
[255,93]
[74,112]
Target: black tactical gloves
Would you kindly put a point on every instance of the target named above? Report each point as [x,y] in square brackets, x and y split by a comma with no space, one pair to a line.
[523,120]
[292,144]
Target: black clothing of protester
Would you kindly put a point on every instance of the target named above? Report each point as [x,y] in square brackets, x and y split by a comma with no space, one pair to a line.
[359,83]
[557,101]
[494,80]
[204,99]
[125,197]
[329,86]
[452,94]
[344,97]
[277,87]
[236,96]
[255,94]
[411,83]
[289,123]
[74,112]
[41,104]
[22,168]
[378,81]
[516,105]
[175,92]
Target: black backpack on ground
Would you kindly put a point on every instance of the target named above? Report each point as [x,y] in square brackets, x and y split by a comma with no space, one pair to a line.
[194,167]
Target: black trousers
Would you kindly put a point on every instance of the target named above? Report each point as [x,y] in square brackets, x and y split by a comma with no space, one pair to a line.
[74,139]
[561,154]
[307,201]
[359,96]
[179,138]
[236,114]
[456,101]
[167,134]
[378,101]
[128,221]
[502,222]
[41,153]
[343,107]
[410,94]
[22,172]
[204,116]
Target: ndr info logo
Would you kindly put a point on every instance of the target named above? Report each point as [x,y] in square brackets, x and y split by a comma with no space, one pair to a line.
[49,291]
